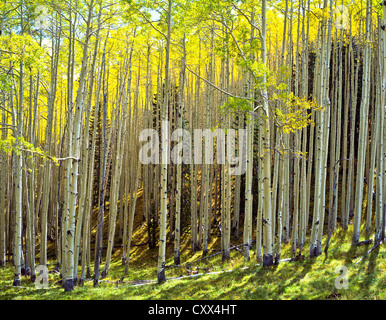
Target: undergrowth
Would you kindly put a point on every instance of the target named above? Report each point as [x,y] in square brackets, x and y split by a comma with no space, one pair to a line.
[199,278]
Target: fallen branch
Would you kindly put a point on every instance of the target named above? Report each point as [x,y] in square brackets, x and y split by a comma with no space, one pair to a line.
[378,243]
[362,242]
[20,287]
[236,248]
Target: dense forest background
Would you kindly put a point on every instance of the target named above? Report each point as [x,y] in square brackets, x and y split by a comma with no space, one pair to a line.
[81,80]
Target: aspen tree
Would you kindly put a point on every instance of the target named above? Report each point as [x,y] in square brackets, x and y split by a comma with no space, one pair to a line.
[164,154]
[304,92]
[194,167]
[121,202]
[58,235]
[48,143]
[172,177]
[146,167]
[239,119]
[363,128]
[27,262]
[247,231]
[68,135]
[99,235]
[310,161]
[68,274]
[248,189]
[17,260]
[130,194]
[3,187]
[3,159]
[345,132]
[31,179]
[286,173]
[85,155]
[335,119]
[206,166]
[380,216]
[226,223]
[192,173]
[267,211]
[221,149]
[134,188]
[237,196]
[260,190]
[326,134]
[134,182]
[339,131]
[116,174]
[201,125]
[86,251]
[157,169]
[223,185]
[279,214]
[180,115]
[227,153]
[193,197]
[280,171]
[350,173]
[10,187]
[374,139]
[297,141]
[321,139]
[333,142]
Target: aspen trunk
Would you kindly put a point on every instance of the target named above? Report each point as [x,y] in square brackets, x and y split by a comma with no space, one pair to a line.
[180,116]
[267,211]
[164,156]
[3,185]
[85,158]
[363,130]
[380,216]
[116,174]
[18,183]
[99,235]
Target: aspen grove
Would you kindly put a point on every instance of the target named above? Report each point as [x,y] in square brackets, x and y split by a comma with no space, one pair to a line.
[257,123]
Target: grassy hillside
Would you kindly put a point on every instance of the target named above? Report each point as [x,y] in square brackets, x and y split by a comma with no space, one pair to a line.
[209,278]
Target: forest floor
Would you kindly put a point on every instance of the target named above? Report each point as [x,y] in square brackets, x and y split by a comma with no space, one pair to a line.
[235,279]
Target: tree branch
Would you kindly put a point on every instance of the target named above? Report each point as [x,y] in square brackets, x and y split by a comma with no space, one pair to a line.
[7,125]
[216,87]
[152,25]
[6,51]
[50,157]
[249,20]
[2,108]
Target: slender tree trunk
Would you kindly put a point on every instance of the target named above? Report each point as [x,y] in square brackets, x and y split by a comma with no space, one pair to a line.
[99,235]
[19,177]
[267,211]
[180,115]
[363,130]
[164,156]
[3,186]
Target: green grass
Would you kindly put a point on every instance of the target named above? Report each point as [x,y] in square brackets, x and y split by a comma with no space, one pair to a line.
[303,279]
